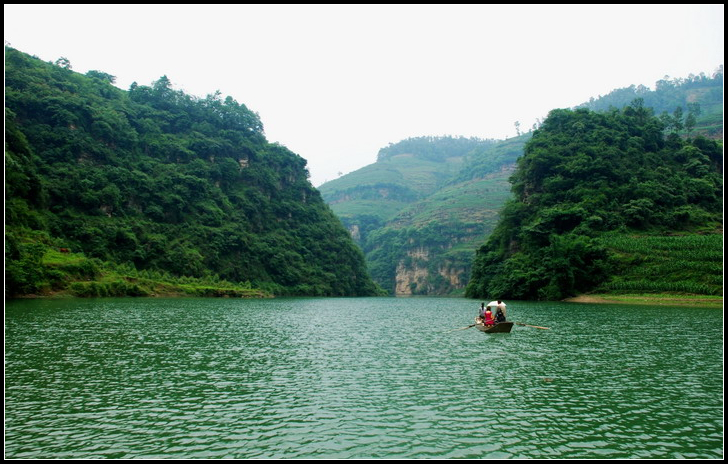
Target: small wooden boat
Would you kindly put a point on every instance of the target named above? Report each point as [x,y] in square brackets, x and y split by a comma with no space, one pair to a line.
[501,327]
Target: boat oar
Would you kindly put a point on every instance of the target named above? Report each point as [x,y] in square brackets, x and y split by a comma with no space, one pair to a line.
[462,328]
[534,326]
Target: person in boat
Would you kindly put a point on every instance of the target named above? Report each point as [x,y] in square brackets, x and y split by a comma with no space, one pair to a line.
[499,316]
[501,307]
[488,317]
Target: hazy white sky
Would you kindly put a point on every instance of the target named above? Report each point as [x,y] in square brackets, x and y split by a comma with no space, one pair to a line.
[335,83]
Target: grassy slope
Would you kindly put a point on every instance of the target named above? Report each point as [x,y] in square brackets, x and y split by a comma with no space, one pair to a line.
[473,200]
[416,176]
[666,299]
[664,269]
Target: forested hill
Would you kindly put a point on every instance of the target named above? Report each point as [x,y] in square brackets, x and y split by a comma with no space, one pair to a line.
[154,182]
[589,183]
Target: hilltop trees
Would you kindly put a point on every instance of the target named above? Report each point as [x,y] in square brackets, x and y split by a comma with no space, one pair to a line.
[676,101]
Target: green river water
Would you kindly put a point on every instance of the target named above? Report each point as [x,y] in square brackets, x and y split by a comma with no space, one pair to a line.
[359,378]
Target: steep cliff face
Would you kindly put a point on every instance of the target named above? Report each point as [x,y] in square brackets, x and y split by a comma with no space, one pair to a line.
[419,274]
[412,273]
[428,247]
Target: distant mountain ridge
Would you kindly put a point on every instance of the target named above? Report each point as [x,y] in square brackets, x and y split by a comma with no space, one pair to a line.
[422,209]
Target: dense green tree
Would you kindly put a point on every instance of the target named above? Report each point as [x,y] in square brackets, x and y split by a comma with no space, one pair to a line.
[160,180]
[583,174]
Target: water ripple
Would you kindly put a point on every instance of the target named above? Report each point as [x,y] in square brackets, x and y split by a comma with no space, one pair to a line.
[356,378]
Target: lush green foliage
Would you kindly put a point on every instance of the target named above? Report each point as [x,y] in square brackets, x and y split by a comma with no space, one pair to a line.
[583,174]
[497,157]
[161,181]
[416,216]
[42,269]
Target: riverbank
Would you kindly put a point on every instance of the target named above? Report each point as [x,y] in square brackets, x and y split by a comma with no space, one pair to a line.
[703,301]
[124,286]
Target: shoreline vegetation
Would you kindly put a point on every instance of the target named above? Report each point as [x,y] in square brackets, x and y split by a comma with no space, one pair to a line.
[136,287]
[62,274]
[58,273]
[146,288]
[603,202]
[668,299]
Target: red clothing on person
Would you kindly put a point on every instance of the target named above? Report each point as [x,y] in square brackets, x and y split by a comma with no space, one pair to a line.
[489,317]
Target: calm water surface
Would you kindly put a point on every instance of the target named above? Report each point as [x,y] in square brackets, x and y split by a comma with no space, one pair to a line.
[359,378]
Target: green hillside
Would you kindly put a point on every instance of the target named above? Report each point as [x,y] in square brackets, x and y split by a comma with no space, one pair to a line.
[405,172]
[383,188]
[149,188]
[428,247]
[589,181]
[424,207]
